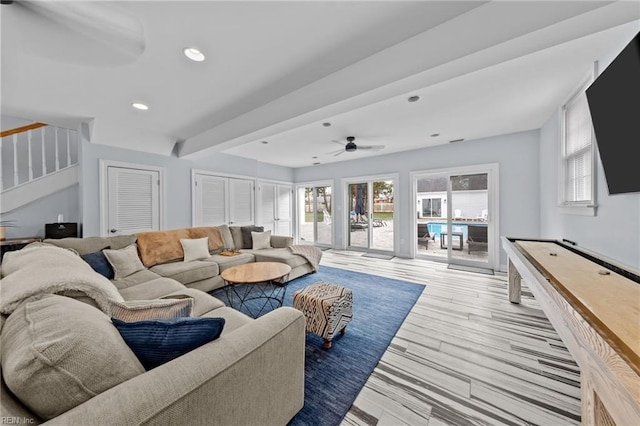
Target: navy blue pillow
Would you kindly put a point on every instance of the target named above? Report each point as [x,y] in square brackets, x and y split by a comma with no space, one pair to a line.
[160,340]
[99,263]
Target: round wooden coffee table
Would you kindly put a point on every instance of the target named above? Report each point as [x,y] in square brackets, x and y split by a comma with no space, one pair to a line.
[252,287]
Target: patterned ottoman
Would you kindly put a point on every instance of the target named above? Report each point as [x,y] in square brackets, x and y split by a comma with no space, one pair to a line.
[327,307]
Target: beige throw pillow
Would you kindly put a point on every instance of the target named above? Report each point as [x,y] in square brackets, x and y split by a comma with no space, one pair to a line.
[261,240]
[124,261]
[195,248]
[139,310]
[58,352]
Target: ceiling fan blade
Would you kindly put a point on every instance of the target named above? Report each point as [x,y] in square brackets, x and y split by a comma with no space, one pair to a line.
[338,142]
[371,147]
[339,152]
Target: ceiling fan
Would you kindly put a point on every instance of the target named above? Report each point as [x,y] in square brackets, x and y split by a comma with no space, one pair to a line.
[351,146]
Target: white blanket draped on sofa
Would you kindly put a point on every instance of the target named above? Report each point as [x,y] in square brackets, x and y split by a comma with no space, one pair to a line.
[311,253]
[43,269]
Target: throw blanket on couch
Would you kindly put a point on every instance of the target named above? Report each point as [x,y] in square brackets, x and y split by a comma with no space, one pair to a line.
[311,253]
[46,269]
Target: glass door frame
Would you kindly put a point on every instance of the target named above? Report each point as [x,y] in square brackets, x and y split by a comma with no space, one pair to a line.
[346,203]
[296,214]
[493,232]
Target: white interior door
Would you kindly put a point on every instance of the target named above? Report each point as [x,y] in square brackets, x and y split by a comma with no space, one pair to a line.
[241,196]
[210,201]
[267,206]
[284,210]
[132,200]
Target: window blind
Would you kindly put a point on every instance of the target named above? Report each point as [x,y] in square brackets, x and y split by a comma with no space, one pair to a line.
[577,158]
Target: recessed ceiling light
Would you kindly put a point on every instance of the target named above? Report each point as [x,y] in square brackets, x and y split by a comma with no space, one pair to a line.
[326,124]
[414,98]
[435,135]
[456,140]
[264,142]
[315,164]
[138,105]
[314,157]
[193,54]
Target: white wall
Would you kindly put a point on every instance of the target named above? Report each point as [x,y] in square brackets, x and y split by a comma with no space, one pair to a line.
[613,233]
[519,180]
[31,218]
[177,212]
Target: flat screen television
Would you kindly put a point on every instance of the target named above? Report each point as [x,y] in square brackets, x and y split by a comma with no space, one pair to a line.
[614,103]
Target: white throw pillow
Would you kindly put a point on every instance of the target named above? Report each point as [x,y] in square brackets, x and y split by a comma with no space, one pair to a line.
[195,248]
[124,261]
[261,240]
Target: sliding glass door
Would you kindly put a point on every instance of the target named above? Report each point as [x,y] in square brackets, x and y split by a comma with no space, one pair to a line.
[370,217]
[315,217]
[454,215]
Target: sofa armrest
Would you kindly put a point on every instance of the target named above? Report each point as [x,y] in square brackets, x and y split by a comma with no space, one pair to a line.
[281,241]
[253,375]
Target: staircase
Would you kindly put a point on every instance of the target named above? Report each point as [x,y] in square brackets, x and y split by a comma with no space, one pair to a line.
[37,160]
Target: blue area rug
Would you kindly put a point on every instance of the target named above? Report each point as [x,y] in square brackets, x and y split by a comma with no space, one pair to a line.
[334,377]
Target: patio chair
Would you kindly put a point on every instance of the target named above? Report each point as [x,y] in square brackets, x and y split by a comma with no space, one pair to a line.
[326,217]
[457,214]
[484,215]
[423,235]
[477,238]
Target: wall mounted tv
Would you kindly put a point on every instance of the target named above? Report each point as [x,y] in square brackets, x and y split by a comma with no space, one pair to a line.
[614,102]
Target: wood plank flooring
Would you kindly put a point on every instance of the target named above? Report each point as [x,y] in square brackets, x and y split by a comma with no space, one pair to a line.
[465,355]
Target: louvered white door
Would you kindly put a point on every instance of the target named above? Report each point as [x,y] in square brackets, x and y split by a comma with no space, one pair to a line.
[241,199]
[210,200]
[267,206]
[284,210]
[133,200]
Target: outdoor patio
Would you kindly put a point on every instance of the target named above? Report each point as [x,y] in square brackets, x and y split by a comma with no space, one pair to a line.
[382,239]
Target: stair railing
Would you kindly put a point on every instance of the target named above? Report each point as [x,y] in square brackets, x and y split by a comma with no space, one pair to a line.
[62,137]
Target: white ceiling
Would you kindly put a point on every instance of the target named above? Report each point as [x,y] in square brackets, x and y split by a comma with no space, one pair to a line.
[275,71]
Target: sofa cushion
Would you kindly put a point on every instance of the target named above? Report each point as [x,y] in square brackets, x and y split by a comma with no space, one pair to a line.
[226,262]
[93,244]
[282,255]
[195,248]
[158,341]
[98,261]
[124,261]
[247,239]
[138,310]
[58,352]
[236,234]
[202,302]
[134,279]
[233,319]
[187,272]
[281,241]
[154,289]
[227,237]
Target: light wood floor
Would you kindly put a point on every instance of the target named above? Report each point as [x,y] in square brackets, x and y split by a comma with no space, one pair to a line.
[465,355]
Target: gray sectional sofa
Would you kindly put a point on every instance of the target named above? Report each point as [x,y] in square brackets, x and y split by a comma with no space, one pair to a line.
[253,374]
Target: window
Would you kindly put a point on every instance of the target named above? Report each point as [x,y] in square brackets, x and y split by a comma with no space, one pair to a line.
[577,148]
[431,207]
